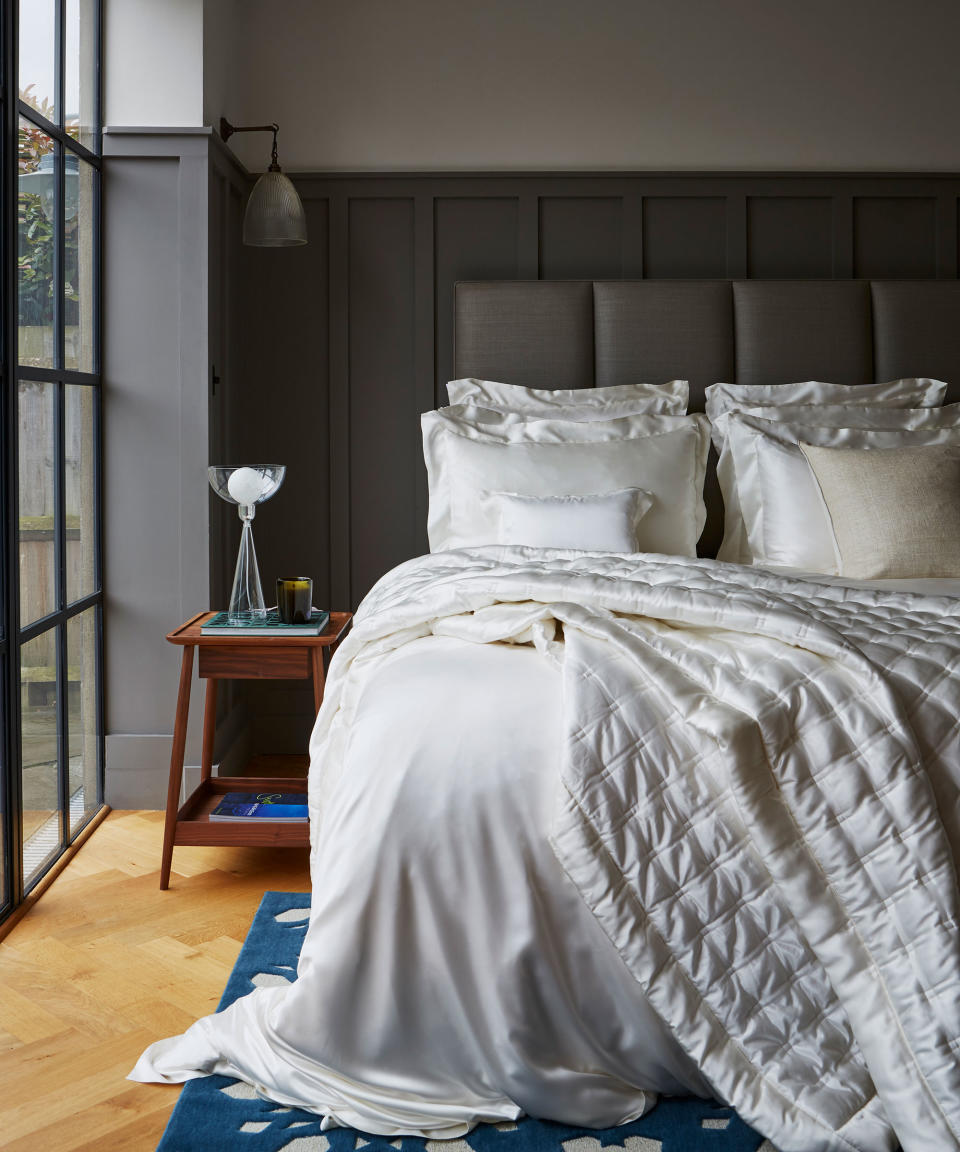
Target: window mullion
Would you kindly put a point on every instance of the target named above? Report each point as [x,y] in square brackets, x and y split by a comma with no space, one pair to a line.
[28,112]
[98,490]
[60,559]
[101,717]
[11,742]
[60,503]
[59,263]
[59,56]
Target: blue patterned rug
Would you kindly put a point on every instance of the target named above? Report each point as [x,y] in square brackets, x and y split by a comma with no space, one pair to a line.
[216,1114]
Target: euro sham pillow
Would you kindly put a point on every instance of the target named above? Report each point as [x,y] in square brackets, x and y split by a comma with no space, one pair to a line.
[668,399]
[780,503]
[895,512]
[597,522]
[467,458]
[909,392]
[816,403]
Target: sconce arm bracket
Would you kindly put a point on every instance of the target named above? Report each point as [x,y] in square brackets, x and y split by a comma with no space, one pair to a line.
[227,130]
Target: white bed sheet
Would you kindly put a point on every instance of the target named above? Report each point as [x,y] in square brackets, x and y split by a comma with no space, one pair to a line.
[464,974]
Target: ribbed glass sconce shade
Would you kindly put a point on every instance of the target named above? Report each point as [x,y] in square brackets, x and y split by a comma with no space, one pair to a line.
[274,216]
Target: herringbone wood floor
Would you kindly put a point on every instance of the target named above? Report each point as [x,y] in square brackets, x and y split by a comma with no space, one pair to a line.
[104,964]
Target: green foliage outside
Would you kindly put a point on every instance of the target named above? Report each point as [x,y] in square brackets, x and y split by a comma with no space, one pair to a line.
[36,235]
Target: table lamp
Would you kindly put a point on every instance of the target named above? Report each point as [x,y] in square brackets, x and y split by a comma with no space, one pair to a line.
[246,486]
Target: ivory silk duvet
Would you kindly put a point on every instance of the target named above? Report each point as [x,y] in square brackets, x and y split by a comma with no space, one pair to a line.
[587,827]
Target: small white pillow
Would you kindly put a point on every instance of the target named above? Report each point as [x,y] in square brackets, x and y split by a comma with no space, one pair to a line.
[895,512]
[780,502]
[596,522]
[663,455]
[668,399]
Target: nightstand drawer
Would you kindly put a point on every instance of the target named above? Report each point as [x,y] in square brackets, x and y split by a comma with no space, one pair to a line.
[254,662]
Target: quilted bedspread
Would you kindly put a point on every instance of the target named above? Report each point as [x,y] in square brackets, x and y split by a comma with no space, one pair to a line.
[760,803]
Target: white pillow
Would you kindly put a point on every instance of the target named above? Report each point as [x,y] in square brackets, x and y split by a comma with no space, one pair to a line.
[910,392]
[601,522]
[664,455]
[668,399]
[778,497]
[879,414]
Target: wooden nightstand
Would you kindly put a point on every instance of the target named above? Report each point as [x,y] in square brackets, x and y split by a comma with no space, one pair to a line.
[236,658]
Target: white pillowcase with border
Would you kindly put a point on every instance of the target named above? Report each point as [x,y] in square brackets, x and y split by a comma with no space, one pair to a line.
[908,392]
[470,452]
[670,399]
[880,406]
[778,496]
[596,522]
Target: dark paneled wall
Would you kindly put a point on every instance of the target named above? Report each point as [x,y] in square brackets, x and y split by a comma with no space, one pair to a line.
[345,342]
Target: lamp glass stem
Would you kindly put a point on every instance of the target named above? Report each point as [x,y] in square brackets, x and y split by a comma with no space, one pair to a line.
[246,596]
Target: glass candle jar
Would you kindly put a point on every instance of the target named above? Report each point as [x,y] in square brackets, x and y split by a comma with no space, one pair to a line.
[295,599]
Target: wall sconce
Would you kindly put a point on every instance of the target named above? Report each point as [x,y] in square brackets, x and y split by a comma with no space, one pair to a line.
[274,217]
[42,182]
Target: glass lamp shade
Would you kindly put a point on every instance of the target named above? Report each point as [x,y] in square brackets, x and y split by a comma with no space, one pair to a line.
[246,486]
[274,216]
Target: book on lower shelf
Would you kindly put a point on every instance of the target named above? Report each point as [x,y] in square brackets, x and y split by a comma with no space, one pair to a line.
[262,624]
[262,807]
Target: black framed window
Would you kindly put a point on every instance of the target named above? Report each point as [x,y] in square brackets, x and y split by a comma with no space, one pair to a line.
[52,601]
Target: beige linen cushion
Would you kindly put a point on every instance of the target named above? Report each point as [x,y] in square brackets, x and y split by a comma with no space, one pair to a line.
[895,512]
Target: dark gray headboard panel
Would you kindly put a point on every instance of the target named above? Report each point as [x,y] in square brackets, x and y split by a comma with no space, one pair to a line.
[672,322]
[539,335]
[917,323]
[803,330]
[584,334]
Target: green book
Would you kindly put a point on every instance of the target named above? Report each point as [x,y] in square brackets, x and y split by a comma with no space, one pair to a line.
[259,624]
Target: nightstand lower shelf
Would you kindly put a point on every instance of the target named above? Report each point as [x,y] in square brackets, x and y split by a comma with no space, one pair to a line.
[194,826]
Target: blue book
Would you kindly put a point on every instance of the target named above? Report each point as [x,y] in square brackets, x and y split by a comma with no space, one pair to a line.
[286,807]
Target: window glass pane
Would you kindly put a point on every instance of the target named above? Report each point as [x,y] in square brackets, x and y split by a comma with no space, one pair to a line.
[37,443]
[80,91]
[38,46]
[80,491]
[38,757]
[82,724]
[79,250]
[35,246]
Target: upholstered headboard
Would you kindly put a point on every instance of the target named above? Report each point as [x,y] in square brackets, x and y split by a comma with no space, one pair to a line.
[585,334]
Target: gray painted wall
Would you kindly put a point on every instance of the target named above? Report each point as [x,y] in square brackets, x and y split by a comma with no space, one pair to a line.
[191,314]
[155,371]
[655,85]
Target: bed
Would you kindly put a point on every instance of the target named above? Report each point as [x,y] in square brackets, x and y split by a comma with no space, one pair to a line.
[590,827]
